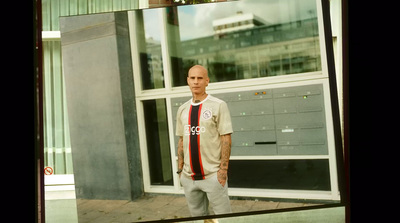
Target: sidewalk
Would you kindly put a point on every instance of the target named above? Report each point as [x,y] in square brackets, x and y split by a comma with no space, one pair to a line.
[156,207]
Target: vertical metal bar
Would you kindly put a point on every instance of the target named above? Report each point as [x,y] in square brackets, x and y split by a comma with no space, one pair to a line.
[38,111]
[334,99]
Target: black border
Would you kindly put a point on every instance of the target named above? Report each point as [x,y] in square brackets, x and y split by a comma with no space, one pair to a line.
[343,178]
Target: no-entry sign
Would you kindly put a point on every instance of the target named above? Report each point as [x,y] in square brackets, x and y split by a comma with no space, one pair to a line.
[48,171]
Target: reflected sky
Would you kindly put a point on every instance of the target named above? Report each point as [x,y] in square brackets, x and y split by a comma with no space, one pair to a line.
[195,21]
[151,24]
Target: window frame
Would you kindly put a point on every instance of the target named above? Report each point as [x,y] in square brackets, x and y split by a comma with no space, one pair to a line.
[169,92]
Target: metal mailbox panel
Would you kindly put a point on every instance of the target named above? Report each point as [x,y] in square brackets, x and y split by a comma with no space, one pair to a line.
[280,121]
[300,120]
[256,150]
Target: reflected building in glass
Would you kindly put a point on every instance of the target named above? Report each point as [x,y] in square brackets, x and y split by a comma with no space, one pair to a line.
[244,46]
[237,52]
[237,22]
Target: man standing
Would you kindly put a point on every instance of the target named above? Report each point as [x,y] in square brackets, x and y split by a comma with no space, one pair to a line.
[204,128]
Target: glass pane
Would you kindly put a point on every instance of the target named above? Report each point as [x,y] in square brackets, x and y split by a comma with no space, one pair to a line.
[245,39]
[149,47]
[280,174]
[155,116]
[53,9]
[57,145]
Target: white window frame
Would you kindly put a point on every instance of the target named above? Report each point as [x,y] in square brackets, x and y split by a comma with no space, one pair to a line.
[169,92]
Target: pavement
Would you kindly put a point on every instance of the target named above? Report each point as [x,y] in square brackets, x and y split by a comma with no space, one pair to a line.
[148,208]
[159,207]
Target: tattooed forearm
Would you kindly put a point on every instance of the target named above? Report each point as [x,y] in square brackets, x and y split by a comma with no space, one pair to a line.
[222,174]
[180,153]
[225,151]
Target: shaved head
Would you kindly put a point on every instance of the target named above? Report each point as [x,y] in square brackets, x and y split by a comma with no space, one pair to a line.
[198,69]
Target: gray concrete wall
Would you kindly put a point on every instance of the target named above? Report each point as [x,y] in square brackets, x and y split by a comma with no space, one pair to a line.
[101,106]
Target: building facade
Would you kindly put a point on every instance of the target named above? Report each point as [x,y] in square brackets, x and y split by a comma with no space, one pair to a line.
[259,55]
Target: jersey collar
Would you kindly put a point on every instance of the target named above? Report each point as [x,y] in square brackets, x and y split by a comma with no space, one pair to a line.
[201,102]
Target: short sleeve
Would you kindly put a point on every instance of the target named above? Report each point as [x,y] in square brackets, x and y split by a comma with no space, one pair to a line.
[224,120]
[179,125]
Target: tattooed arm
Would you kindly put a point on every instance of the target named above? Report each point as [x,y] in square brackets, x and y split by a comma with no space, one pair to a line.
[180,154]
[222,174]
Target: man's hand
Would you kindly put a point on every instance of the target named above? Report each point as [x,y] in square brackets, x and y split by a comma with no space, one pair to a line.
[222,176]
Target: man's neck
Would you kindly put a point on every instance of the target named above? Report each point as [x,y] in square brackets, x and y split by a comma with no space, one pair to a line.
[199,98]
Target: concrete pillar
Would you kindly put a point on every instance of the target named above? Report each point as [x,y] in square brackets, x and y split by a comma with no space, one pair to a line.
[101,106]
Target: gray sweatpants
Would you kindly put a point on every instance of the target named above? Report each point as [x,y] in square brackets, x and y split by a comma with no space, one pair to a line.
[199,193]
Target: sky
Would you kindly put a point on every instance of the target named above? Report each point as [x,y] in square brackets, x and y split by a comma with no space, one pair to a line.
[152,23]
[196,20]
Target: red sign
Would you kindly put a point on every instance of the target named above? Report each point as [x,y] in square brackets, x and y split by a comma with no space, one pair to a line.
[48,170]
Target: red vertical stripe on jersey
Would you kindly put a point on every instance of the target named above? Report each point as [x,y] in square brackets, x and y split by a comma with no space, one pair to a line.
[196,164]
[190,152]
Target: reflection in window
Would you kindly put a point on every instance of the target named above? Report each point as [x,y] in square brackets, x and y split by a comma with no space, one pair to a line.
[149,46]
[159,155]
[57,144]
[245,40]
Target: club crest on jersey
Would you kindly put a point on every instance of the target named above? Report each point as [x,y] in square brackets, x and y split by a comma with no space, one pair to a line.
[207,114]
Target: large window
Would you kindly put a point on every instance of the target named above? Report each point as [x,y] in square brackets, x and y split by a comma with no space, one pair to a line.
[249,48]
[243,40]
[235,41]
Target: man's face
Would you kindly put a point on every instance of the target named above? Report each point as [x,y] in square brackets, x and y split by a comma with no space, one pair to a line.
[198,81]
